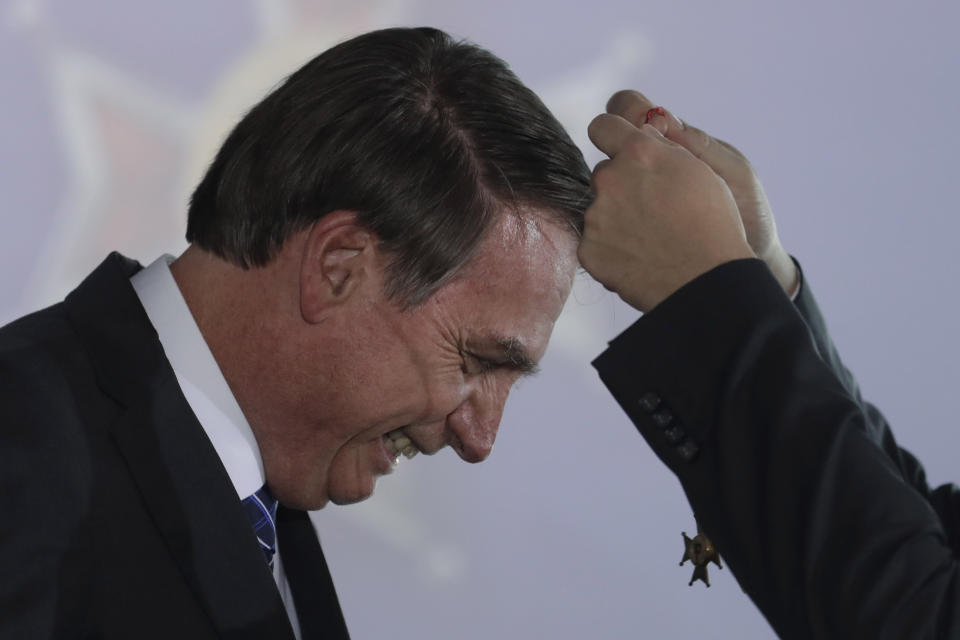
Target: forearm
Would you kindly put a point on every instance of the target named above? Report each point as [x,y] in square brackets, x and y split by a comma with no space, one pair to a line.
[806,304]
[814,519]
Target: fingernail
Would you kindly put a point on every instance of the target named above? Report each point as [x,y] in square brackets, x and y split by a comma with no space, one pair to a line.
[656,111]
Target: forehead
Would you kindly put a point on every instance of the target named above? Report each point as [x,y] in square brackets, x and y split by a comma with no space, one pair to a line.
[517,282]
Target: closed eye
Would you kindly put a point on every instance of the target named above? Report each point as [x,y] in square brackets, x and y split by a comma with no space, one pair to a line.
[479,364]
[510,356]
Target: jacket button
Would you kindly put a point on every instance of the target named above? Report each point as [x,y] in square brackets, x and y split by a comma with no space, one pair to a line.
[688,450]
[674,434]
[649,402]
[662,418]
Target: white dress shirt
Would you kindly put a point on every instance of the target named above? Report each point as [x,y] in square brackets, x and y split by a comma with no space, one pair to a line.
[207,392]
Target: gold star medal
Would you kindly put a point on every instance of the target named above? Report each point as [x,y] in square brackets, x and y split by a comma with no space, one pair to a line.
[700,551]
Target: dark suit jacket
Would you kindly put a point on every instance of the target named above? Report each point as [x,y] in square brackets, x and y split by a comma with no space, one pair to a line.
[827,524]
[117,518]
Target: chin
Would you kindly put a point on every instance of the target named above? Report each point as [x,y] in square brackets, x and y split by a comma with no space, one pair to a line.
[298,498]
[351,495]
[295,491]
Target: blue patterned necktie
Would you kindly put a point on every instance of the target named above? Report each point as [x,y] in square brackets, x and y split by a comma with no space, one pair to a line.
[261,509]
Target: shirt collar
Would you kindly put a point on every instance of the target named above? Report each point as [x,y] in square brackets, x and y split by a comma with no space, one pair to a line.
[200,378]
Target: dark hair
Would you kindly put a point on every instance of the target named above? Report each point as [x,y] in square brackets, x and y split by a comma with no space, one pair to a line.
[428,139]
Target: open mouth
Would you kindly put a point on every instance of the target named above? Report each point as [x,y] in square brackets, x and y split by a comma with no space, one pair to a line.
[398,443]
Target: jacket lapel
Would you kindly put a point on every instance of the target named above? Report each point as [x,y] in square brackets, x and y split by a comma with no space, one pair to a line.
[179,475]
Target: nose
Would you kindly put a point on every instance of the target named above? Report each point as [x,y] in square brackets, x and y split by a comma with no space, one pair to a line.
[474,425]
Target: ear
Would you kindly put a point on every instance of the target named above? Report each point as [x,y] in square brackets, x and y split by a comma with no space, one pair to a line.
[340,258]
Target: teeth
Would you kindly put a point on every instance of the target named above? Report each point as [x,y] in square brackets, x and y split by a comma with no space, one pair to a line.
[392,449]
[399,443]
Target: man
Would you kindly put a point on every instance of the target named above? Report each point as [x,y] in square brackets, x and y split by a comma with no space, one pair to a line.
[828,525]
[378,252]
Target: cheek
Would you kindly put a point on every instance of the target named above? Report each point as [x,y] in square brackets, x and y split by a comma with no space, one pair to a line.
[500,391]
[490,397]
[442,392]
[381,381]
[432,382]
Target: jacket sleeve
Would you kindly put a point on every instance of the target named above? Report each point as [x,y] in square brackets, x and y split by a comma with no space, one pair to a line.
[945,500]
[827,528]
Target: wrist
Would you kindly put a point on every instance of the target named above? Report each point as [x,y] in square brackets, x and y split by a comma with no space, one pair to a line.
[784,269]
[655,290]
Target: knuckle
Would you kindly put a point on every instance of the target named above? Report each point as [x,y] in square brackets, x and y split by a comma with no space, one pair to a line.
[732,149]
[590,219]
[600,166]
[604,178]
[702,141]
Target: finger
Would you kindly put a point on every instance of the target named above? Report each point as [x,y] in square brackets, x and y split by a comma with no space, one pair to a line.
[610,133]
[630,105]
[637,109]
[664,121]
[718,155]
[654,131]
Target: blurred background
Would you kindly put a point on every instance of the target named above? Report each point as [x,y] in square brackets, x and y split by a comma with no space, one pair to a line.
[111,110]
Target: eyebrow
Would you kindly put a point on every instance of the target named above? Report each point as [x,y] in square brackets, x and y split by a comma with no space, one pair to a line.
[515,355]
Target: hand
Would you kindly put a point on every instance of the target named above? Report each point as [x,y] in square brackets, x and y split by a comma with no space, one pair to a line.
[660,217]
[729,164]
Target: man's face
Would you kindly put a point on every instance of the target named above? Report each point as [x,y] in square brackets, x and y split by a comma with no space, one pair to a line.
[439,374]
